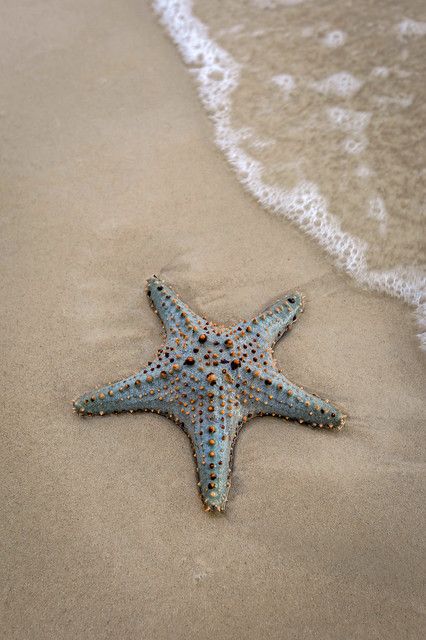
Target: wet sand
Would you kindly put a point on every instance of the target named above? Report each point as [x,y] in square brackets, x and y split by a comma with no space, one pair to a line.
[110,174]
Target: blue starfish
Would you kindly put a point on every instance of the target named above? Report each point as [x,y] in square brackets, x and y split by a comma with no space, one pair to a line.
[210,380]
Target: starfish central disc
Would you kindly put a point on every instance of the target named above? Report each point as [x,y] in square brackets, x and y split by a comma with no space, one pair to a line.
[210,380]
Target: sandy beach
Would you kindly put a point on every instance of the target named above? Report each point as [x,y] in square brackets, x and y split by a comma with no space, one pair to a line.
[110,174]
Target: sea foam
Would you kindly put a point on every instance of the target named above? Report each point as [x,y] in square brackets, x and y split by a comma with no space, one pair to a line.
[218,74]
[341,84]
[408,28]
[334,39]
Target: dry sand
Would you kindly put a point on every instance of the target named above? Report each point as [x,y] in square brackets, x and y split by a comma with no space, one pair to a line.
[110,174]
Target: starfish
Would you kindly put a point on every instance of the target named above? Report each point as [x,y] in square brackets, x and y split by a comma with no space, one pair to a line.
[211,379]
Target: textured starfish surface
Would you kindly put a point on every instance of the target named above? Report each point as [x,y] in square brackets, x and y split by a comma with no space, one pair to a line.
[211,379]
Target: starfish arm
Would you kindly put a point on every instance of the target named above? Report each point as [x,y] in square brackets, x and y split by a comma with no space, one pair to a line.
[151,389]
[178,319]
[273,394]
[274,321]
[213,454]
[213,435]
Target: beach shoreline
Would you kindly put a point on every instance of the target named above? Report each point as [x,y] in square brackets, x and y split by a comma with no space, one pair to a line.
[300,144]
[111,175]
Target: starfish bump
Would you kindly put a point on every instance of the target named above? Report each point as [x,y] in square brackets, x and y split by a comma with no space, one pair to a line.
[211,379]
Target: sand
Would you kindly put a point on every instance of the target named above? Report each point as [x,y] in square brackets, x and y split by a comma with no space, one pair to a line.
[110,174]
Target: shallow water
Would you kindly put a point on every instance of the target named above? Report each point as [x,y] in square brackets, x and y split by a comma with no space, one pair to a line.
[320,107]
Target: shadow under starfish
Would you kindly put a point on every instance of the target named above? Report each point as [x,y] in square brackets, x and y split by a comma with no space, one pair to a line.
[210,380]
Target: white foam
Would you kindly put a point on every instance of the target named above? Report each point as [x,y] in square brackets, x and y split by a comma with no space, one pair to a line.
[348,119]
[257,33]
[403,100]
[231,31]
[260,143]
[377,211]
[285,82]
[363,171]
[355,146]
[341,84]
[409,28]
[352,122]
[380,72]
[334,39]
[217,74]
